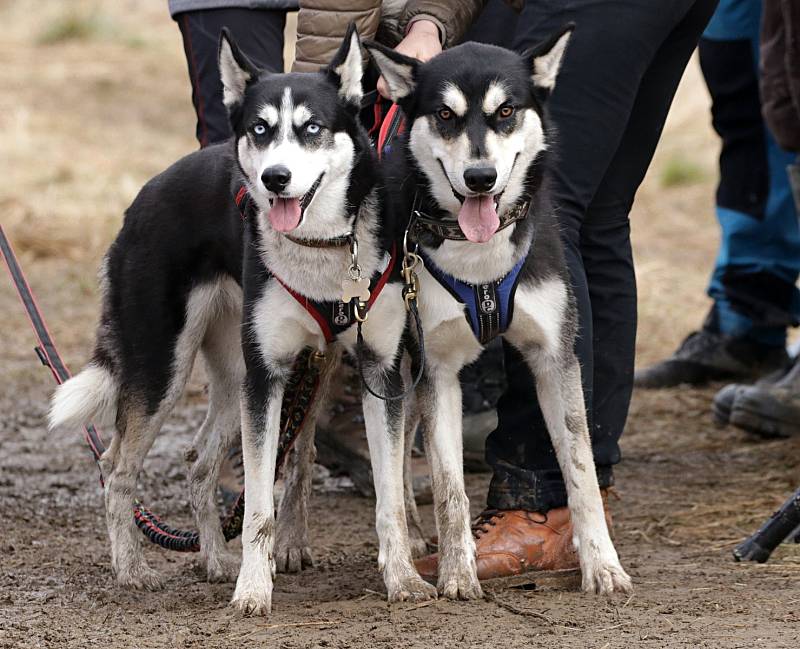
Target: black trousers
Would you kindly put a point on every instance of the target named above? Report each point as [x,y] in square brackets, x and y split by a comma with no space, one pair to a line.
[259,34]
[611,99]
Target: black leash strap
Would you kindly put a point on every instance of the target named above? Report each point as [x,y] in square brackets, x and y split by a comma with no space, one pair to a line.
[421,340]
[46,350]
[410,296]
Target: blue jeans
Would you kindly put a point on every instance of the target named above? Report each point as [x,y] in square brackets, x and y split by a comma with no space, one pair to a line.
[753,283]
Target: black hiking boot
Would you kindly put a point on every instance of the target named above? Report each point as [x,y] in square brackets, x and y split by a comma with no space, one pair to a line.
[770,410]
[707,355]
[722,405]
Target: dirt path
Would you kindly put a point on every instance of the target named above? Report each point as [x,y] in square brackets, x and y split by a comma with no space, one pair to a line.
[109,108]
[688,492]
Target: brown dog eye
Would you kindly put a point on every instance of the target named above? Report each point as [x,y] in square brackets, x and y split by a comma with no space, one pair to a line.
[506,111]
[445,114]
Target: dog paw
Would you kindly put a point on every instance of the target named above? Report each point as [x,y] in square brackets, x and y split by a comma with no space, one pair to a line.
[293,559]
[606,578]
[140,577]
[222,568]
[411,589]
[251,603]
[460,584]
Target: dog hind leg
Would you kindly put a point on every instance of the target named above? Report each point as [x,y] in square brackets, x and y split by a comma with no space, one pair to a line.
[221,350]
[121,465]
[138,423]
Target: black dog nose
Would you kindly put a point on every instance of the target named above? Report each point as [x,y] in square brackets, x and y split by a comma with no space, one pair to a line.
[276,178]
[480,179]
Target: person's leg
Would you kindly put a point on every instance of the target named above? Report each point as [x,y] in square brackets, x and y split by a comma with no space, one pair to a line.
[494,24]
[626,58]
[606,247]
[753,283]
[759,255]
[258,32]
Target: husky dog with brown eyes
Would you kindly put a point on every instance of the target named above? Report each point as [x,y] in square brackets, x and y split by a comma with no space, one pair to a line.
[470,177]
[188,273]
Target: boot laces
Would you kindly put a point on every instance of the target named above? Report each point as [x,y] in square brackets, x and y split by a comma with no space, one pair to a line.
[486,519]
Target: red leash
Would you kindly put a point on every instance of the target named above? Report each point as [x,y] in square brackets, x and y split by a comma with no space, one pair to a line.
[393,125]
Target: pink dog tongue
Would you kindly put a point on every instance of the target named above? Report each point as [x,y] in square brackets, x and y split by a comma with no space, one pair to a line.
[478,218]
[285,214]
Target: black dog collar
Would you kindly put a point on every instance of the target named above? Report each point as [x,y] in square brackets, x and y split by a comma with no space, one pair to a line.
[449,229]
[335,242]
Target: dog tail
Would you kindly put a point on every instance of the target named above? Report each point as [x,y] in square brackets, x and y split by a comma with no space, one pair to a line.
[90,396]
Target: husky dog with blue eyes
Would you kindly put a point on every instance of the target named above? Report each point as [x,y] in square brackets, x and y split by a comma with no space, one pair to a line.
[312,175]
[302,253]
[470,176]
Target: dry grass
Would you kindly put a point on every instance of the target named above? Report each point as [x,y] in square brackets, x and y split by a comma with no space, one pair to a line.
[86,119]
[680,171]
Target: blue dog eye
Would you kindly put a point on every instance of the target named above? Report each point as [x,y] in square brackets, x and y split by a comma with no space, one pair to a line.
[259,129]
[312,129]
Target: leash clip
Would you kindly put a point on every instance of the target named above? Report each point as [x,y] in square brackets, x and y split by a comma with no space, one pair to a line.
[356,287]
[410,279]
[360,310]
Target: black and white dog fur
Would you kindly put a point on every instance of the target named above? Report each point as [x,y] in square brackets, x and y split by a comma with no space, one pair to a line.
[172,286]
[478,137]
[307,132]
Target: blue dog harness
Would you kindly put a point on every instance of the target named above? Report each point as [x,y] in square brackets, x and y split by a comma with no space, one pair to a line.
[489,307]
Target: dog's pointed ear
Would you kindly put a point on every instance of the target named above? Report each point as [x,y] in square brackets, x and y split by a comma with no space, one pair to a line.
[399,71]
[347,67]
[235,71]
[546,57]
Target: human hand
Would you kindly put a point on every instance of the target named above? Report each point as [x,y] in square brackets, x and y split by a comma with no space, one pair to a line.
[421,42]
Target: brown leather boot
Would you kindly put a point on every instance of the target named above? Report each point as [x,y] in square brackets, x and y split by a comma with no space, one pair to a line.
[516,543]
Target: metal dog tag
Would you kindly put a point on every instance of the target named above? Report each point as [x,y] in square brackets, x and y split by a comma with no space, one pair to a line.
[352,288]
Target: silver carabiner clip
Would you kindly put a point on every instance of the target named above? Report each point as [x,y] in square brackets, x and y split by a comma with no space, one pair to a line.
[406,234]
[355,269]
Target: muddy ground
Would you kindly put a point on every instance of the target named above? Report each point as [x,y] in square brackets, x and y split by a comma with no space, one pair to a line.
[93,100]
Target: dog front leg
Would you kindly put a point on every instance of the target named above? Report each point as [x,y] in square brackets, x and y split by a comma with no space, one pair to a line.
[440,399]
[558,381]
[384,423]
[261,412]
